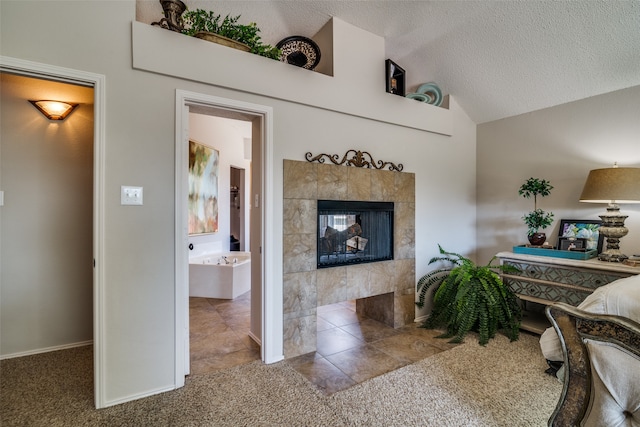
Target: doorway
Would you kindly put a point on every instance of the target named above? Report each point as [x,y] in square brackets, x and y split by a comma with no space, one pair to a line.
[78,147]
[266,304]
[219,273]
[237,209]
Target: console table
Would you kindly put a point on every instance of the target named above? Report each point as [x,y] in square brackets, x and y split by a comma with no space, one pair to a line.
[543,280]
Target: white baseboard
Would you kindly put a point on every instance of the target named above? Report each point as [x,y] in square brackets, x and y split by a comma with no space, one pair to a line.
[421,318]
[133,397]
[46,350]
[256,339]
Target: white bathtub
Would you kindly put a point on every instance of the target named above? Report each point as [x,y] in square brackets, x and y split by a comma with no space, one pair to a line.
[211,277]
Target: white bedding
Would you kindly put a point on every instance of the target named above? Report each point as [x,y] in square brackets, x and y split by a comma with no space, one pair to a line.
[620,298]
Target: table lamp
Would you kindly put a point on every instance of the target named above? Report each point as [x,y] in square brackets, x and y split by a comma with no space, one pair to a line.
[613,186]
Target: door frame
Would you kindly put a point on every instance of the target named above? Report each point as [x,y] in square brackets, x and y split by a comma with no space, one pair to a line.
[97,81]
[271,334]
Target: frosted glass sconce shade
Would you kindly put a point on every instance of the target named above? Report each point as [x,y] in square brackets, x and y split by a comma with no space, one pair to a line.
[54,110]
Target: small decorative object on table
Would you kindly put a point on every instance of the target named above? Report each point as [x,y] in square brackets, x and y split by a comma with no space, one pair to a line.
[582,229]
[536,219]
[572,244]
[633,261]
[549,251]
[395,78]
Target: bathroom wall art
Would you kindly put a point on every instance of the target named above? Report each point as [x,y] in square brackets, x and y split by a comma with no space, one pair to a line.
[204,170]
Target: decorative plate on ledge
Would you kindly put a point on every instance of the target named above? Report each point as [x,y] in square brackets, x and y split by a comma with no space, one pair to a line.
[299,51]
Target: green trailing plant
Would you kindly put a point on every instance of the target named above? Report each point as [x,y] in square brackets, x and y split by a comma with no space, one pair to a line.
[536,219]
[468,297]
[203,20]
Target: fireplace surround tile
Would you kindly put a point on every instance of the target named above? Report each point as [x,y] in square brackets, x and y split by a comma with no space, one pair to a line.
[405,273]
[301,181]
[358,281]
[332,285]
[382,277]
[299,252]
[386,288]
[300,216]
[332,182]
[301,293]
[300,335]
[383,185]
[405,188]
[358,183]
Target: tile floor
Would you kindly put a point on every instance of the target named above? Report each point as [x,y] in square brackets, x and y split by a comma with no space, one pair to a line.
[219,333]
[350,349]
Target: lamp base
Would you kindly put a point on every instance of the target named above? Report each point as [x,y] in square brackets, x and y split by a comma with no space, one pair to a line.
[612,256]
[613,229]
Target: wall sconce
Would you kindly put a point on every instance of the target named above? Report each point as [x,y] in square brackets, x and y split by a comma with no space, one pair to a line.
[612,185]
[54,110]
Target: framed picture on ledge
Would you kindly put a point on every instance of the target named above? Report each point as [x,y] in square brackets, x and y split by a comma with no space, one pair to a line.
[395,78]
[581,229]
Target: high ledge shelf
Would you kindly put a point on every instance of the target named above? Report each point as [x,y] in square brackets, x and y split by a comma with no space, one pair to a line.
[354,57]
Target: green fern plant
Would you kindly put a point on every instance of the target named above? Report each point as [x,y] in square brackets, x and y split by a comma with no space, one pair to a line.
[202,20]
[469,297]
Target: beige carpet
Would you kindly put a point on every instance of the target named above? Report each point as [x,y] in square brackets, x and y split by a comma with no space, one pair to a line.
[503,384]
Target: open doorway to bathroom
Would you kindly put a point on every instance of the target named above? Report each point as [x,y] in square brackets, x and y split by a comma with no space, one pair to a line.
[219,262]
[265,295]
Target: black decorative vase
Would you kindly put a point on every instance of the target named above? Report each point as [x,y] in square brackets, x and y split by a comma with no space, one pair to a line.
[537,239]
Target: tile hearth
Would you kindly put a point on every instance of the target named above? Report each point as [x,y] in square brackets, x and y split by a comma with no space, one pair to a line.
[350,348]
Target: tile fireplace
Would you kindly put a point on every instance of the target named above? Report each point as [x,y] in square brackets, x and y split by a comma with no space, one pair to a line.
[385,289]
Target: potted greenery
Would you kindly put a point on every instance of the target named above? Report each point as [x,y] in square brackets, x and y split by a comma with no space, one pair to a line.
[209,26]
[536,219]
[470,297]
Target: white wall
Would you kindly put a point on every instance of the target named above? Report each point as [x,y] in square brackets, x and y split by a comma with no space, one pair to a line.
[139,246]
[560,144]
[46,172]
[227,136]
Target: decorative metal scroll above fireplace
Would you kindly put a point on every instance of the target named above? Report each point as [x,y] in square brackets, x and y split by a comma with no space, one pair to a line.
[351,232]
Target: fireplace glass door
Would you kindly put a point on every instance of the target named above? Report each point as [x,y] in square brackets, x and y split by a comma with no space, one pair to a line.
[351,232]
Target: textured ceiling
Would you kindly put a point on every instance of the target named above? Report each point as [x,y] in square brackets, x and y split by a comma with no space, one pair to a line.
[497,58]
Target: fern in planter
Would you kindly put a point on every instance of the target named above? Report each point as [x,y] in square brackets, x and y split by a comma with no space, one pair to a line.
[470,297]
[202,20]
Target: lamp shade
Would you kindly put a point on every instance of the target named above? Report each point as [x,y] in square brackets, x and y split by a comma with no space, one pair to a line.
[54,110]
[612,185]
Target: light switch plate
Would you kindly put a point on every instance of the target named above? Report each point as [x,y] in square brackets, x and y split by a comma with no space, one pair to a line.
[130,195]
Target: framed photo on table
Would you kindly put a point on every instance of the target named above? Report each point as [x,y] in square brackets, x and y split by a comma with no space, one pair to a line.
[581,229]
[572,244]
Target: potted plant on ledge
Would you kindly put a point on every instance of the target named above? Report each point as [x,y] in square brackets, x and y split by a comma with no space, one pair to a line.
[470,297]
[207,25]
[537,219]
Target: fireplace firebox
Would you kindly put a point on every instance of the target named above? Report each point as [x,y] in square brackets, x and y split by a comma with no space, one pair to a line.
[354,232]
